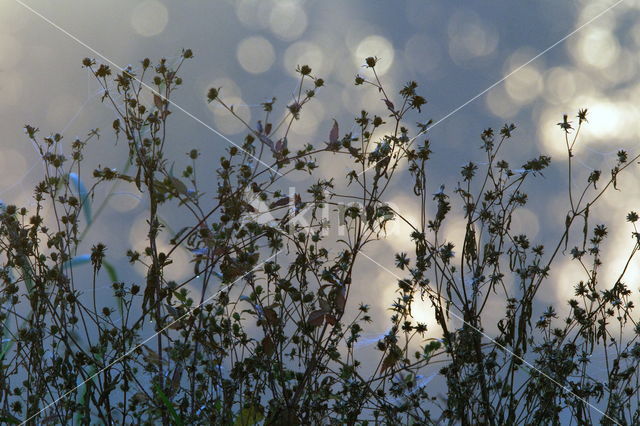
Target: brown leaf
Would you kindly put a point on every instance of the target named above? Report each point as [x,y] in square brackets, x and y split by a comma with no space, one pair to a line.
[281,202]
[281,145]
[175,380]
[334,144]
[271,316]
[297,203]
[267,345]
[248,207]
[330,319]
[333,134]
[157,101]
[316,318]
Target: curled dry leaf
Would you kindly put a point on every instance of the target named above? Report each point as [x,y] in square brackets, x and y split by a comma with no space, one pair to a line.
[271,316]
[157,101]
[389,105]
[267,345]
[280,146]
[333,143]
[333,134]
[316,318]
[279,203]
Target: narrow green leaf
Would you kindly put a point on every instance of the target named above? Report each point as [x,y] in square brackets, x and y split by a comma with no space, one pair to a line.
[248,416]
[167,403]
[8,418]
[77,185]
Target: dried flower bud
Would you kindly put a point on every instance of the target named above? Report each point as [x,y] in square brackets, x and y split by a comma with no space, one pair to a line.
[304,70]
[212,94]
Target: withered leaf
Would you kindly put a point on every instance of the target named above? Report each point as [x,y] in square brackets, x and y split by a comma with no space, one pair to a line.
[281,145]
[271,316]
[316,318]
[157,101]
[279,203]
[330,319]
[268,346]
[333,143]
[248,207]
[333,134]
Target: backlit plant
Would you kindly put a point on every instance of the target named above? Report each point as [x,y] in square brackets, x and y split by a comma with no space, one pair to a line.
[275,334]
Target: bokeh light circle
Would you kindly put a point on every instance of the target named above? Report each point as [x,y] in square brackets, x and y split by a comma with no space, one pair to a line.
[470,37]
[288,20]
[501,104]
[560,85]
[255,54]
[305,53]
[149,18]
[525,85]
[596,47]
[226,122]
[376,46]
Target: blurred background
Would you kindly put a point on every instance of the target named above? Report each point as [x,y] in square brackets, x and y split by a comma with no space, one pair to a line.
[250,48]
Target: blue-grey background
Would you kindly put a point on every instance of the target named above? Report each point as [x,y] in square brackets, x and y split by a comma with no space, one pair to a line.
[250,48]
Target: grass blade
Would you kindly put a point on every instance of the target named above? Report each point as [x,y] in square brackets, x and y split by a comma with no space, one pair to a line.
[167,403]
[83,194]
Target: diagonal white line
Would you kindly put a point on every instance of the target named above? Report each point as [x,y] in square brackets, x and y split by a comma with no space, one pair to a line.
[510,352]
[572,33]
[103,57]
[130,351]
